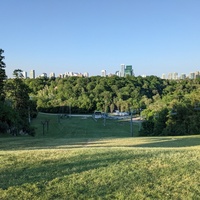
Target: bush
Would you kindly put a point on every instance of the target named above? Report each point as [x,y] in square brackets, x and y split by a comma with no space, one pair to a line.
[147,128]
[3,127]
[29,130]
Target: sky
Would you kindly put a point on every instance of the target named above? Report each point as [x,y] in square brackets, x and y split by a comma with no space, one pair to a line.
[154,36]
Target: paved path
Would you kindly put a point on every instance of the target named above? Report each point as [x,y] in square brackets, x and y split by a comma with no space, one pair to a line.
[135,119]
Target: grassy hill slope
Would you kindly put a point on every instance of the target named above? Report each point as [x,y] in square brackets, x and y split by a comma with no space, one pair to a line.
[104,163]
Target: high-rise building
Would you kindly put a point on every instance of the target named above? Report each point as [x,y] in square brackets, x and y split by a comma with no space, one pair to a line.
[24,74]
[52,75]
[197,74]
[32,74]
[128,70]
[122,72]
[86,74]
[183,76]
[175,76]
[163,76]
[170,76]
[192,75]
[103,73]
[44,75]
[66,74]
[71,73]
[117,73]
[61,76]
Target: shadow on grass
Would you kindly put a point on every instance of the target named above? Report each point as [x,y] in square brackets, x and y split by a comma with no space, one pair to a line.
[22,143]
[170,142]
[47,170]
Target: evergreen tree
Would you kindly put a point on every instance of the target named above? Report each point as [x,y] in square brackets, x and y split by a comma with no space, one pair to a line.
[2,75]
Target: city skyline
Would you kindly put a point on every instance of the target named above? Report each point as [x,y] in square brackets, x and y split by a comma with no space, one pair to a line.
[121,73]
[38,73]
[155,36]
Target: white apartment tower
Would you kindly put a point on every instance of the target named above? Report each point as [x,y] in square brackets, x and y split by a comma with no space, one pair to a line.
[86,74]
[32,74]
[103,73]
[175,76]
[192,75]
[24,74]
[183,76]
[122,72]
[52,75]
[163,76]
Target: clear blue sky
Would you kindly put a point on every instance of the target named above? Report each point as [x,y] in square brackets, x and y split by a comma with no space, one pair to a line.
[154,36]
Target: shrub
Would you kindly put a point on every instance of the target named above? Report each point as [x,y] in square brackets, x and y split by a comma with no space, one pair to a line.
[3,127]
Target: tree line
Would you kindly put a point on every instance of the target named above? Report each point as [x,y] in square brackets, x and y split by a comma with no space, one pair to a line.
[16,108]
[84,95]
[168,107]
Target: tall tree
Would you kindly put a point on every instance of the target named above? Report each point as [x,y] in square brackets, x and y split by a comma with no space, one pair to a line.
[2,75]
[4,115]
[18,94]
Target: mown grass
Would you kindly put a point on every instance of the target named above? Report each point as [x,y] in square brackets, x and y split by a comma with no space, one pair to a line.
[52,167]
[74,127]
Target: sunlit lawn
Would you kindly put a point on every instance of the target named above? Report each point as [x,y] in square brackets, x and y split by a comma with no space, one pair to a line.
[92,167]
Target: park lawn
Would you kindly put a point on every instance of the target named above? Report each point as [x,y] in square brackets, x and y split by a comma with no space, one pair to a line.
[100,168]
[80,158]
[82,127]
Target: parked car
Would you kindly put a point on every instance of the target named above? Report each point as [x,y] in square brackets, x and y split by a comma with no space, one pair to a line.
[97,114]
[123,114]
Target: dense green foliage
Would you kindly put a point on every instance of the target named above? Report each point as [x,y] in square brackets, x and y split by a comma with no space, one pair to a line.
[176,112]
[15,107]
[168,107]
[85,95]
[17,94]
[2,75]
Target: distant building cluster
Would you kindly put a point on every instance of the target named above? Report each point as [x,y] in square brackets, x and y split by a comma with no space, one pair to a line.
[52,75]
[69,74]
[176,76]
[125,70]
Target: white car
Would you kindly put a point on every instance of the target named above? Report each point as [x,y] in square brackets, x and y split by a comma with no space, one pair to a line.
[97,115]
[123,114]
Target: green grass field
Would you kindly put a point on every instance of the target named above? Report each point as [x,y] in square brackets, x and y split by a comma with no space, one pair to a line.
[83,127]
[79,158]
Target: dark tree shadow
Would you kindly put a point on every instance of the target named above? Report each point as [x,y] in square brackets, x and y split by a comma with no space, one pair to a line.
[170,142]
